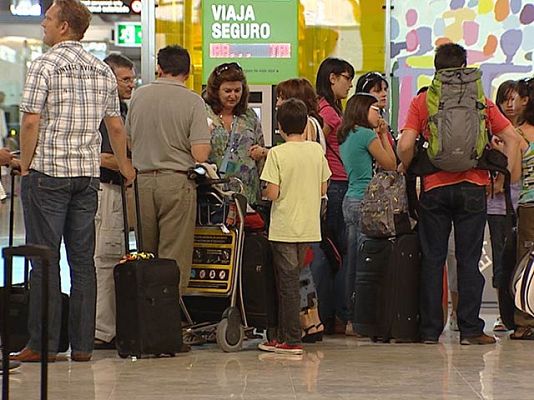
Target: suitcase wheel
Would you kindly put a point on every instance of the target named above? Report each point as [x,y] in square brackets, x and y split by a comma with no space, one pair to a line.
[229,336]
[122,355]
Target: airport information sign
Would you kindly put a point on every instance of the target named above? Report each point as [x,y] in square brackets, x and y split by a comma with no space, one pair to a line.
[261,35]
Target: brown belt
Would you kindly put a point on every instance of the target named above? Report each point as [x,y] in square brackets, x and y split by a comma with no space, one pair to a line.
[161,171]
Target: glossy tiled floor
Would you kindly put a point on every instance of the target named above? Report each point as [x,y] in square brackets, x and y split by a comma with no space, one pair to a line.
[339,368]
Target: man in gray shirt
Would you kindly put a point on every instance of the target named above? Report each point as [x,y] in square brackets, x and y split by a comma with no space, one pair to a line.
[167,125]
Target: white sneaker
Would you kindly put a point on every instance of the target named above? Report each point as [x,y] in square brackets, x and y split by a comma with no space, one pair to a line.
[499,326]
[453,322]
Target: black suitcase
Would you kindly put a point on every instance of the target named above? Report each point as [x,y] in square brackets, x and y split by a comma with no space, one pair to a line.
[20,300]
[259,285]
[147,301]
[387,289]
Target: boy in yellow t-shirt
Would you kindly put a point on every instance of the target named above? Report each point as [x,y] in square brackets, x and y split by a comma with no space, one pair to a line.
[296,173]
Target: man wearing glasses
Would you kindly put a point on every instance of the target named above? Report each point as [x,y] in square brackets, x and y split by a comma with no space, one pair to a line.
[109,244]
[168,129]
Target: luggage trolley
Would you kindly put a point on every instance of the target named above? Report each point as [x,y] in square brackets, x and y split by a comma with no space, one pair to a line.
[213,303]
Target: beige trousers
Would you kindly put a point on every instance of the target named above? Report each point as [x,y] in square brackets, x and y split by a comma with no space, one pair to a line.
[109,248]
[168,213]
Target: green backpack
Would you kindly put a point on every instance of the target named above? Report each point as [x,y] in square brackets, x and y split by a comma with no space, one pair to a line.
[457,119]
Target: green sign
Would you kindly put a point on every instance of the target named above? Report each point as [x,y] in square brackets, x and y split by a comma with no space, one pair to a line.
[261,35]
[128,34]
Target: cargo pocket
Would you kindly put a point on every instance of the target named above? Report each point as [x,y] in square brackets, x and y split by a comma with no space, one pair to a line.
[109,243]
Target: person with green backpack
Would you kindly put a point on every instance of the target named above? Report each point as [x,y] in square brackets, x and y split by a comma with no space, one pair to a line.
[454,119]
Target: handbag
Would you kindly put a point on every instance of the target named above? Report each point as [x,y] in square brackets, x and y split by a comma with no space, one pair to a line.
[522,284]
[384,208]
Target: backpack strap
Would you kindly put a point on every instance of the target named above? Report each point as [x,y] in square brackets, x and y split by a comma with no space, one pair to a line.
[494,161]
[333,151]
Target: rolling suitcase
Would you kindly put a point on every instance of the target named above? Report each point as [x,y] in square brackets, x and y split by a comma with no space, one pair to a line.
[387,289]
[147,300]
[259,285]
[20,299]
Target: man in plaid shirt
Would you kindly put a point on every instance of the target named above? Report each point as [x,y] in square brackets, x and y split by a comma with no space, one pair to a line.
[67,94]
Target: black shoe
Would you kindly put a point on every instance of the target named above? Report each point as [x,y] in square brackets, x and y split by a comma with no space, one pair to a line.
[101,345]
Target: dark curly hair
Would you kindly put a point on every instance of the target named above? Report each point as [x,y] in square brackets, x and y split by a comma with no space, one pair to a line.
[229,72]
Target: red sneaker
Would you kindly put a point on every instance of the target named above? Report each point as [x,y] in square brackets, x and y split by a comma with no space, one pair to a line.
[285,348]
[268,346]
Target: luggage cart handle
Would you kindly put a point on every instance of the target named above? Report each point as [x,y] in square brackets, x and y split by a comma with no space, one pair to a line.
[27,251]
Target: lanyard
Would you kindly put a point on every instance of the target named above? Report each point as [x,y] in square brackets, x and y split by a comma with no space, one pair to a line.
[229,147]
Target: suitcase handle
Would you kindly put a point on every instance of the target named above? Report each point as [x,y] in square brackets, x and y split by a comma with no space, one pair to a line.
[45,254]
[13,174]
[125,217]
[139,232]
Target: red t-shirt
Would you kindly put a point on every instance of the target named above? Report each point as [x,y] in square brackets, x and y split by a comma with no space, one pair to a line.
[417,120]
[333,120]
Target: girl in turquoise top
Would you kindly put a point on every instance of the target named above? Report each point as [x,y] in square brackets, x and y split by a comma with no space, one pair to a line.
[360,144]
[525,222]
[237,144]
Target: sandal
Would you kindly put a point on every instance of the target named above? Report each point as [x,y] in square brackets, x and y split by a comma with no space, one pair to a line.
[320,331]
[310,337]
[523,333]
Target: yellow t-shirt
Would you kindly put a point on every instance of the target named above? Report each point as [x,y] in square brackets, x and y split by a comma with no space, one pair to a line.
[299,169]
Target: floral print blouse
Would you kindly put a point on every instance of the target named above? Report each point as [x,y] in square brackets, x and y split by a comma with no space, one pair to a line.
[248,132]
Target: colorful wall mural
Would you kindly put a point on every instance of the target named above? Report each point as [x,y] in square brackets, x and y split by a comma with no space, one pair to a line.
[498,35]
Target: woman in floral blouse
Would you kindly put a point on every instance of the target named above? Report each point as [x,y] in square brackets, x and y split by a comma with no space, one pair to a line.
[237,138]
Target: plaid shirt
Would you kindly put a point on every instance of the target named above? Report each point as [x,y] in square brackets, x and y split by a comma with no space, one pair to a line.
[73,91]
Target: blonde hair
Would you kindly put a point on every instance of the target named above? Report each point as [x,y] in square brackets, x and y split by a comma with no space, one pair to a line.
[76,14]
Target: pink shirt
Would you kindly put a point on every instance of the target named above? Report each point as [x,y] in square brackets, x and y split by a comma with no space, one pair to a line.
[333,120]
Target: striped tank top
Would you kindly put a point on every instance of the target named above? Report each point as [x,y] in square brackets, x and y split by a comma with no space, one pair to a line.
[527,187]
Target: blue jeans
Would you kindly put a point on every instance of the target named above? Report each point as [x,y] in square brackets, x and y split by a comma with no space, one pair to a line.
[334,213]
[463,205]
[330,284]
[499,237]
[351,213]
[56,208]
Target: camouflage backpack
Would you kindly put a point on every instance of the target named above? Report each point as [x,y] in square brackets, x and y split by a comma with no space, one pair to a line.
[384,208]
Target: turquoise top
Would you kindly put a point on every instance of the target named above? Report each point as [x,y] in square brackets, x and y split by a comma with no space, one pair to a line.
[527,186]
[357,160]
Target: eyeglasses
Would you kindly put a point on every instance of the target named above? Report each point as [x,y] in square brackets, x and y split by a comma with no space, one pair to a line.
[377,109]
[126,81]
[347,77]
[226,66]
